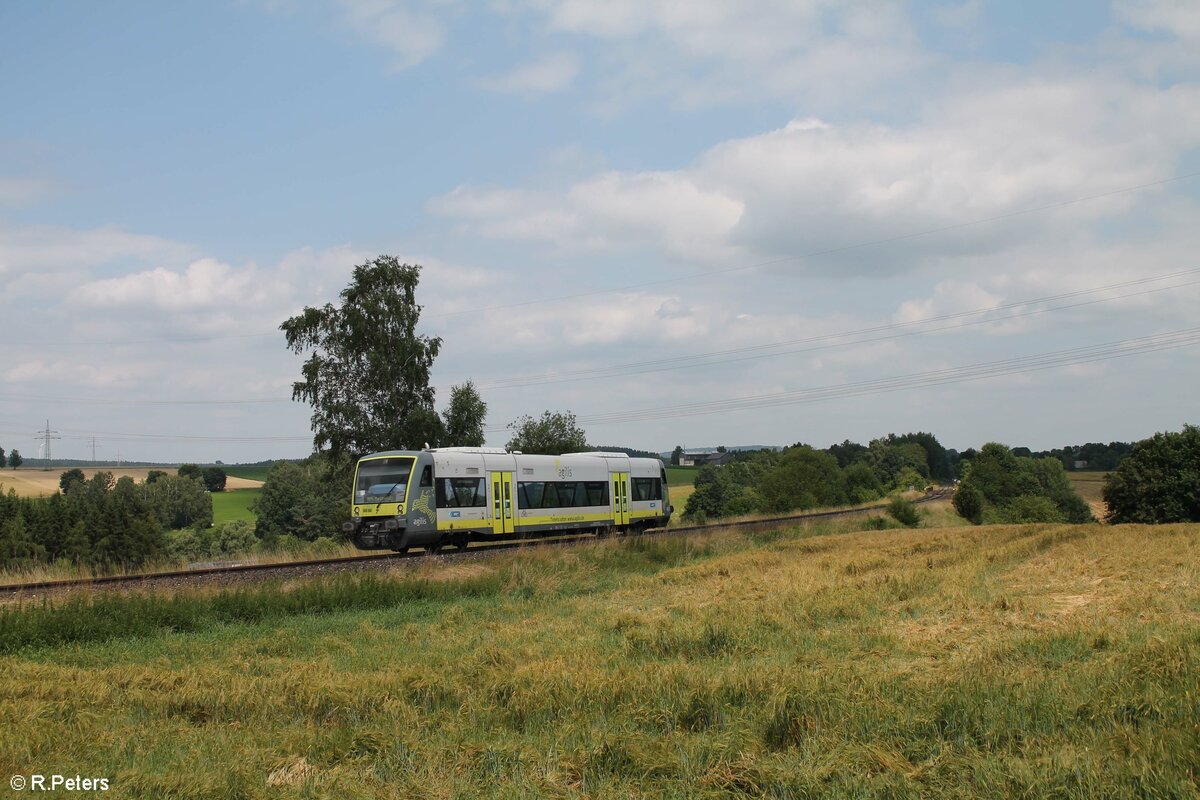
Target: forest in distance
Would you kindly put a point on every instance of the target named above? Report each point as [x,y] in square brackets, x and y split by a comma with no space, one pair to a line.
[107,523]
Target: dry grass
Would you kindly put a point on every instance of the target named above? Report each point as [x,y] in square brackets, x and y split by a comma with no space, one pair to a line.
[28,482]
[1089,486]
[981,661]
[64,571]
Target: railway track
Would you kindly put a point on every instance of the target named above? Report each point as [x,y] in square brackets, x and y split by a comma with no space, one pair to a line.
[241,572]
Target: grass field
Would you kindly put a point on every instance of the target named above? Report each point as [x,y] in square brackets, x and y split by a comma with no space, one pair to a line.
[1089,486]
[681,476]
[234,504]
[254,473]
[681,482]
[969,662]
[39,482]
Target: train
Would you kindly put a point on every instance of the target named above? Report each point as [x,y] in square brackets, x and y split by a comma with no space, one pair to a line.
[452,496]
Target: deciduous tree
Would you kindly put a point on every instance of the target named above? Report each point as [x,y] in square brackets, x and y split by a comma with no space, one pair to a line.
[463,419]
[367,375]
[179,501]
[1159,481]
[554,433]
[213,478]
[70,478]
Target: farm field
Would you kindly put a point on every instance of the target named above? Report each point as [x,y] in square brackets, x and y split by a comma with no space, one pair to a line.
[1089,486]
[39,482]
[1040,660]
[681,482]
[234,504]
[256,472]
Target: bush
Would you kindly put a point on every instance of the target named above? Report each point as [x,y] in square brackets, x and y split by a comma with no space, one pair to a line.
[904,512]
[880,524]
[1003,487]
[968,502]
[301,500]
[214,478]
[1159,481]
[1023,510]
[233,538]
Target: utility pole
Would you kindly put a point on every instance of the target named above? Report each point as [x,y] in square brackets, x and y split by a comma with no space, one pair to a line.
[93,451]
[47,435]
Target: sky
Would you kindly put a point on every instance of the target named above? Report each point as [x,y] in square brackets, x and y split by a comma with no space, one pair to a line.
[703,223]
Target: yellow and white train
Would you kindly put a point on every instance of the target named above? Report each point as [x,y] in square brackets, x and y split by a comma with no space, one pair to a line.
[455,495]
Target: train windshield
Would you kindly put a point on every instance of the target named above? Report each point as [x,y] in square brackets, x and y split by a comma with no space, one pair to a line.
[382,480]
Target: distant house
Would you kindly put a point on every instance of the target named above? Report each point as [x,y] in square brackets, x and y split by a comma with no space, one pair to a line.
[1081,465]
[704,459]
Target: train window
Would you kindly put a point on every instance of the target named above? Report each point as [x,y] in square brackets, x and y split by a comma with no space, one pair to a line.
[427,476]
[647,489]
[597,493]
[461,493]
[562,494]
[382,480]
[531,493]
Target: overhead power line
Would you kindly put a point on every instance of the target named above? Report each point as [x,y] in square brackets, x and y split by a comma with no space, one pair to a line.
[960,319]
[890,331]
[971,372]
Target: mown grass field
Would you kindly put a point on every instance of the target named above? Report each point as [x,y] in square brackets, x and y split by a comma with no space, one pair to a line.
[1089,486]
[233,504]
[1040,661]
[41,482]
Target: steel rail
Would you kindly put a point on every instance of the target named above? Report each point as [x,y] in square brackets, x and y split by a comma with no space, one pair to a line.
[545,541]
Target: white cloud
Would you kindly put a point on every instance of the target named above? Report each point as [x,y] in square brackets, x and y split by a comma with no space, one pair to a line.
[1180,18]
[205,284]
[410,30]
[551,73]
[611,210]
[813,185]
[29,248]
[716,51]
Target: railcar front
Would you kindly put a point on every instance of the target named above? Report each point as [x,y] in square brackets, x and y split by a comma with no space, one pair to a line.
[392,505]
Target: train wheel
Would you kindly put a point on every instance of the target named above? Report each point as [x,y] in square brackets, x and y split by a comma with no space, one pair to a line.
[461,542]
[401,550]
[433,549]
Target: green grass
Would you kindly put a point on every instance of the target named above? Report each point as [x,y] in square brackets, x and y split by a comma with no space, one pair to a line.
[682,476]
[1004,661]
[234,504]
[254,473]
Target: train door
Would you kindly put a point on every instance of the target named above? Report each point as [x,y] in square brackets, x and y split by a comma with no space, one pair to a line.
[503,503]
[620,497]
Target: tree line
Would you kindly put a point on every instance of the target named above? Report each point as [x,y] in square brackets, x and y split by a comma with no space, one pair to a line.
[801,477]
[13,459]
[100,521]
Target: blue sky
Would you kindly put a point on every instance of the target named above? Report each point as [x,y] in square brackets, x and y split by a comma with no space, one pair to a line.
[177,179]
